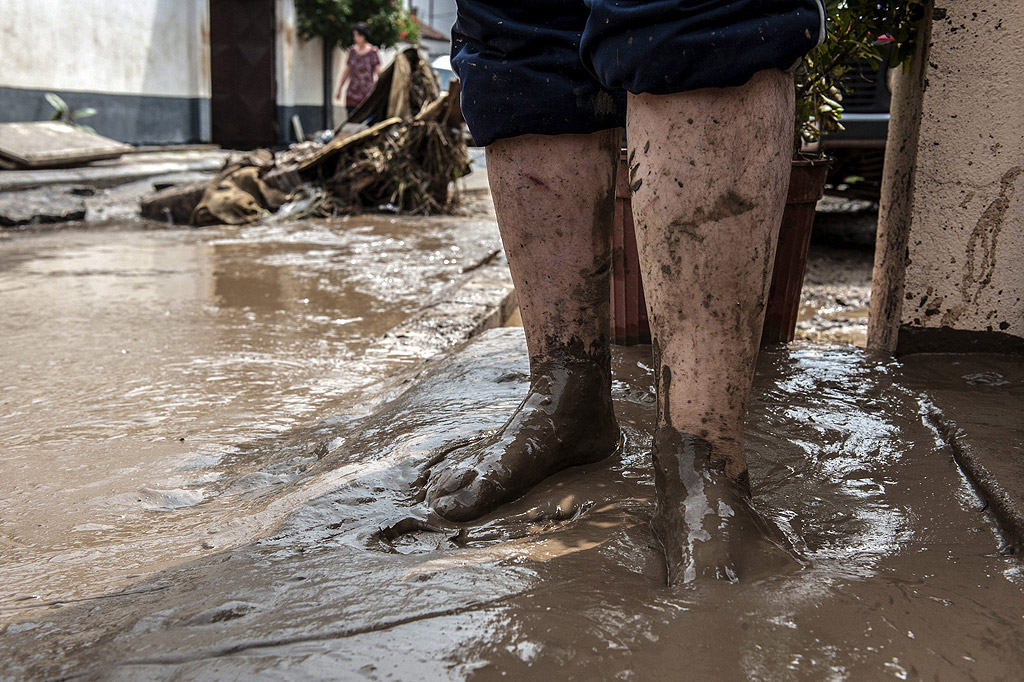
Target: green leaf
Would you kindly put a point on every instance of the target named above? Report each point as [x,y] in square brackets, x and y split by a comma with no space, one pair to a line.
[853,27]
[85,113]
[57,102]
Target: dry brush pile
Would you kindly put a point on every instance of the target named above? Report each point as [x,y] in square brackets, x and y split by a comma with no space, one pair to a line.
[406,160]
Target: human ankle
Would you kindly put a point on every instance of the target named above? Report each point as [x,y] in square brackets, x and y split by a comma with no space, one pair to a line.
[589,373]
[725,454]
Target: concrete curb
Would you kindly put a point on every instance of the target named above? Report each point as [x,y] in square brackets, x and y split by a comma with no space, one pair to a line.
[128,169]
[1006,507]
[483,298]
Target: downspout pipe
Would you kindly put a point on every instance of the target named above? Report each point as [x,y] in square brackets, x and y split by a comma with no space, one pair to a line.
[328,63]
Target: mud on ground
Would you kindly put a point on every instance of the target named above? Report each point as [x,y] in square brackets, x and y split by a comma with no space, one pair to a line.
[837,283]
[149,378]
[902,576]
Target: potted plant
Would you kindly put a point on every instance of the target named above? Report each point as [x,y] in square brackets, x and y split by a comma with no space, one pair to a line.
[858,31]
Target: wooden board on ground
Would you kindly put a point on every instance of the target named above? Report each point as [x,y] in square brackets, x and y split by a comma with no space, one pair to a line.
[51,144]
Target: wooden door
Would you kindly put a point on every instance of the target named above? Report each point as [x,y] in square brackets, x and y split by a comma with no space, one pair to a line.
[243,100]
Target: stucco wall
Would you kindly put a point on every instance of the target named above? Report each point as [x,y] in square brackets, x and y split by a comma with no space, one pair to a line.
[965,269]
[141,47]
[144,64]
[299,63]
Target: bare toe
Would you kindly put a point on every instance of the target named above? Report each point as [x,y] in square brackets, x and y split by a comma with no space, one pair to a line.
[565,420]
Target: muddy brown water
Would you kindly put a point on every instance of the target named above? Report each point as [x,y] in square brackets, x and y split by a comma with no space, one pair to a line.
[149,379]
[903,578]
[836,293]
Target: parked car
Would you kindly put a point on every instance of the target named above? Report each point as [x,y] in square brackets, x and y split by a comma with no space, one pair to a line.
[858,151]
[443,68]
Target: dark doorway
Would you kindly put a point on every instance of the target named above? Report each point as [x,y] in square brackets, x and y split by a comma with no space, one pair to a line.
[243,102]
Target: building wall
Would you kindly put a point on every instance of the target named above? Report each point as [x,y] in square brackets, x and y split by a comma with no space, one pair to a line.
[143,64]
[964,278]
[300,76]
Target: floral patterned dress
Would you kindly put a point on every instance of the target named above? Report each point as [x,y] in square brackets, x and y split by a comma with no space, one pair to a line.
[361,68]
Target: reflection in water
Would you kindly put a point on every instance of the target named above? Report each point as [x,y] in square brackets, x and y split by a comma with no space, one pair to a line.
[146,376]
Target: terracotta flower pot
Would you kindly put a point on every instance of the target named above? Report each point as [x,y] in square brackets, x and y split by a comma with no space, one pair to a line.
[806,187]
[629,325]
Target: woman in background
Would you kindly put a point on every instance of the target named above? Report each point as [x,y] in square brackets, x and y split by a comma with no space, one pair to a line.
[362,67]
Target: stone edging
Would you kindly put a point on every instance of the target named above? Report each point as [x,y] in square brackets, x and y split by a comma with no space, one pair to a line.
[1004,506]
[481,299]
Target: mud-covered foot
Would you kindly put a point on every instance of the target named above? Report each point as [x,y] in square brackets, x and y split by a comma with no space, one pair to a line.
[565,420]
[704,520]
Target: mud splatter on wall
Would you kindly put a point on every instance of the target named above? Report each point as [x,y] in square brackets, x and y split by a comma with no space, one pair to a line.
[966,246]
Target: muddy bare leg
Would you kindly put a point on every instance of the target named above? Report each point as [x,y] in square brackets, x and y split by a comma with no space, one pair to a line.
[553,196]
[709,173]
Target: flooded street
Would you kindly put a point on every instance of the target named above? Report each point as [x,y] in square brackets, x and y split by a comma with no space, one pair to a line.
[148,377]
[215,454]
[902,575]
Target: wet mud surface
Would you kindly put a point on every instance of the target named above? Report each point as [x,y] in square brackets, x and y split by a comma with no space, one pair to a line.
[978,405]
[160,389]
[835,296]
[837,282]
[903,577]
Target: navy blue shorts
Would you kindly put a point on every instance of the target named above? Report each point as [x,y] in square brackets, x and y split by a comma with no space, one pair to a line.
[551,67]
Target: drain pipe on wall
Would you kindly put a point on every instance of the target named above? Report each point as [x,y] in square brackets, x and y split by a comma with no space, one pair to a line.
[328,68]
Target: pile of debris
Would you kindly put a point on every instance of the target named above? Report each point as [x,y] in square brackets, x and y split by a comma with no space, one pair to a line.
[402,150]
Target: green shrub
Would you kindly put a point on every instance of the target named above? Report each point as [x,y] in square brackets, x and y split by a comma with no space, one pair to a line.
[854,27]
[332,20]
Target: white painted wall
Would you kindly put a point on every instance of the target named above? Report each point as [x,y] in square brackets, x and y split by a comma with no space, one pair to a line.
[967,233]
[141,47]
[299,63]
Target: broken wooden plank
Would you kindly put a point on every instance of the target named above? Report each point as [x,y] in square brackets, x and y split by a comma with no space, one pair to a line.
[52,144]
[336,146]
